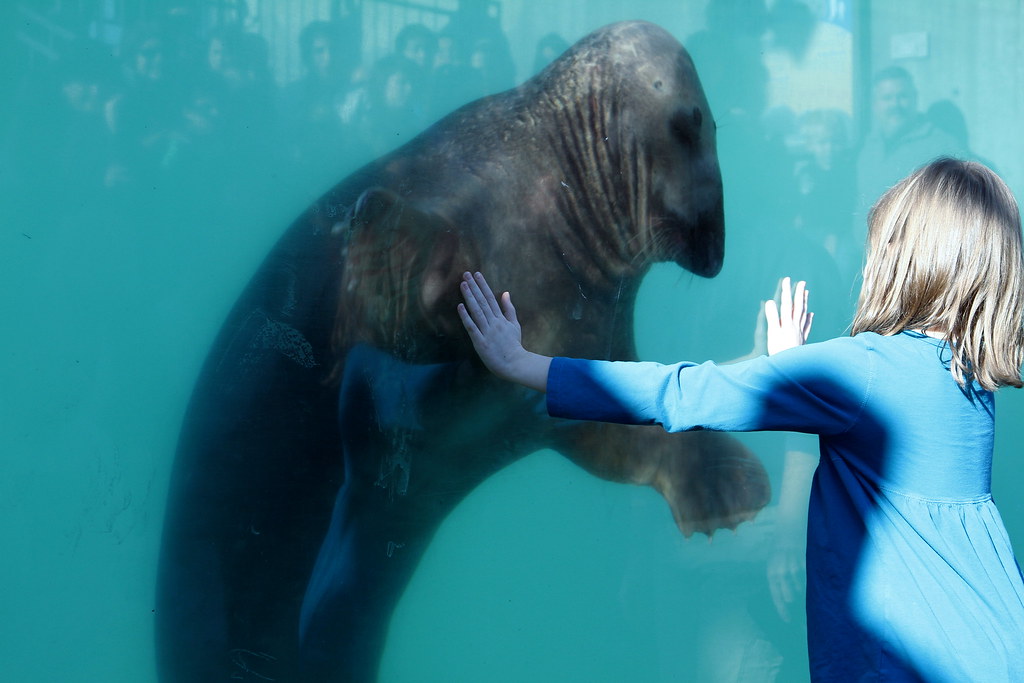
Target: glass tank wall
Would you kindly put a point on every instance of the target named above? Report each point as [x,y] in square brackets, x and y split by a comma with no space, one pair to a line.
[244,435]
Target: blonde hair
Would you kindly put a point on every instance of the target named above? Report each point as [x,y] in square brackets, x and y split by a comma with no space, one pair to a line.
[944,253]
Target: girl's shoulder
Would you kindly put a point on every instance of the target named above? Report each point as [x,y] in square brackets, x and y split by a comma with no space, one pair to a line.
[866,342]
[857,359]
[843,349]
[841,359]
[897,355]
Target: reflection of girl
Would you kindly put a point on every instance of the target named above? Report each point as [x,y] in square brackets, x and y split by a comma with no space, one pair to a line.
[911,574]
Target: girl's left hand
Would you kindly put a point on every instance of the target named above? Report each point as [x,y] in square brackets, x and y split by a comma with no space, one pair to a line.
[791,325]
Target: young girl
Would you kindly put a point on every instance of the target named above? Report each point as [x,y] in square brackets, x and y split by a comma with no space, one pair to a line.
[910,573]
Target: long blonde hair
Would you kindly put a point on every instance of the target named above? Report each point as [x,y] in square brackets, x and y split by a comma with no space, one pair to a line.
[944,253]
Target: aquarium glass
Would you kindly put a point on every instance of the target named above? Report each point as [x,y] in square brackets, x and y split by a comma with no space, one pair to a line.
[189,398]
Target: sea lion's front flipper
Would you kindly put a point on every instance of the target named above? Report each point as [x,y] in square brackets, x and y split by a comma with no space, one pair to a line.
[710,480]
[402,266]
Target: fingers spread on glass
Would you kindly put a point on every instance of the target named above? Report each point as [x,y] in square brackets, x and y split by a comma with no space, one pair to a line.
[789,321]
[492,326]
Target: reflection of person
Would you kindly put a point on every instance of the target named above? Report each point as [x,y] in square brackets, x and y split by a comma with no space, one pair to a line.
[473,59]
[143,115]
[311,103]
[911,574]
[901,138]
[946,115]
[418,44]
[824,178]
[391,114]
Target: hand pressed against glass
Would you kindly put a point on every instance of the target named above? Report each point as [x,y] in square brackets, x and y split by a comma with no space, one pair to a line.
[789,323]
[497,336]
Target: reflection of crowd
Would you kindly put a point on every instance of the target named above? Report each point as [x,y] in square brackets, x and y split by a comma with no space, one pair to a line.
[805,176]
[199,116]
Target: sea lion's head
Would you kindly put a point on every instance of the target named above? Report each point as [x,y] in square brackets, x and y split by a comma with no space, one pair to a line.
[687,206]
[640,91]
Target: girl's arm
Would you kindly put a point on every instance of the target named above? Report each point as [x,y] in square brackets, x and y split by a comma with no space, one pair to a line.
[497,336]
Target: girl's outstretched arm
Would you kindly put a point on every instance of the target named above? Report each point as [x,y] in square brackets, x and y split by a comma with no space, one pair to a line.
[497,336]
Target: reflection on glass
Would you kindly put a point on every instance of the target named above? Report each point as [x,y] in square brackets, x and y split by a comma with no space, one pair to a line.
[150,160]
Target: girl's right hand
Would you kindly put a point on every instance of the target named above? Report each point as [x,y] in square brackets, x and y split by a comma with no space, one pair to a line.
[497,336]
[792,325]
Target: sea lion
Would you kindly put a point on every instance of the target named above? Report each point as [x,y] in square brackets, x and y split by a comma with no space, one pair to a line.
[342,378]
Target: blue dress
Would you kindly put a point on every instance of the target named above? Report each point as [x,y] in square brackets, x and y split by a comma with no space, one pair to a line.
[910,572]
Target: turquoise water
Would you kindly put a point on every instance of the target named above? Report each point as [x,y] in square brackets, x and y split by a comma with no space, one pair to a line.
[135,216]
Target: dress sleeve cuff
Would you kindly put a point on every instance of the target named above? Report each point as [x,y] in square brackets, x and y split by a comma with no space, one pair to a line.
[561,395]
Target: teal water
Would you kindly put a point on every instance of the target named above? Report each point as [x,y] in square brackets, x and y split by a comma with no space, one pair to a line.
[115,279]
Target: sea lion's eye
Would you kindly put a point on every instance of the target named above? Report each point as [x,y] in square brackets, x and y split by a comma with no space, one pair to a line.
[685,126]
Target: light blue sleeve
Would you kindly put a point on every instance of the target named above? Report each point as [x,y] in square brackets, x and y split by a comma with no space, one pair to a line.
[817,388]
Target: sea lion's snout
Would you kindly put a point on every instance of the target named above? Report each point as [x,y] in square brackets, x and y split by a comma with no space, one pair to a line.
[708,253]
[700,247]
[690,194]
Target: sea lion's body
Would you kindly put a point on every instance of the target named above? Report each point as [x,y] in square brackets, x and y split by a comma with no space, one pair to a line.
[343,375]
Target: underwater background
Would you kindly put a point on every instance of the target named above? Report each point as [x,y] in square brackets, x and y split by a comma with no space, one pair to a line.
[151,153]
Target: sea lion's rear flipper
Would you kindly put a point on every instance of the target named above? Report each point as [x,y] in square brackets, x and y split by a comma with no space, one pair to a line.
[402,266]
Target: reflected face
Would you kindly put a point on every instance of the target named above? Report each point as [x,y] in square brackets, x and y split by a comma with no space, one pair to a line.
[443,56]
[215,55]
[149,60]
[82,95]
[894,105]
[201,114]
[821,144]
[416,51]
[320,55]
